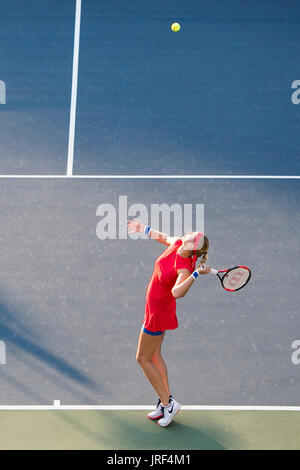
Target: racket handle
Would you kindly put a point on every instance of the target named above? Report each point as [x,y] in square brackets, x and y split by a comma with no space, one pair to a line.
[213,271]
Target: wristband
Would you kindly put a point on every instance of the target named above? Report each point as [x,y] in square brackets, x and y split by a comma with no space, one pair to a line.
[195,274]
[147,230]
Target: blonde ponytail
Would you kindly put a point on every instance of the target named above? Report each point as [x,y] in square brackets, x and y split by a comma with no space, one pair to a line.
[204,256]
[203,259]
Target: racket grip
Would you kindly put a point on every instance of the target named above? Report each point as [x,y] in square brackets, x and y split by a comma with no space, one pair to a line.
[213,271]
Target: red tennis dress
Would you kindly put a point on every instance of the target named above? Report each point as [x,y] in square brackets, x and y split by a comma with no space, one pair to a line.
[160,308]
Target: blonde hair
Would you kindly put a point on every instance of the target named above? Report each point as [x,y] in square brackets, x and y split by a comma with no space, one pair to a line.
[205,247]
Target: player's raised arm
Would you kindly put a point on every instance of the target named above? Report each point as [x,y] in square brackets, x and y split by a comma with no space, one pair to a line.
[186,279]
[136,226]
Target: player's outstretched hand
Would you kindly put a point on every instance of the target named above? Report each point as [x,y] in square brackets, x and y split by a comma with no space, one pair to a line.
[135,226]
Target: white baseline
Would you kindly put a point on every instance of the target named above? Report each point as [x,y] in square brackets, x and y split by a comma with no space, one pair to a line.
[148,407]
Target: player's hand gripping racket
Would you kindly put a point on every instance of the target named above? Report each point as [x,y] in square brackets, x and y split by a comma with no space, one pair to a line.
[233,279]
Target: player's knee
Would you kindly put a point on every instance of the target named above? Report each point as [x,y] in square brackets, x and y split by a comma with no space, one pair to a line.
[138,358]
[141,359]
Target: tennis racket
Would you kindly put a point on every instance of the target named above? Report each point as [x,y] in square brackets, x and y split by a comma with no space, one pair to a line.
[234,278]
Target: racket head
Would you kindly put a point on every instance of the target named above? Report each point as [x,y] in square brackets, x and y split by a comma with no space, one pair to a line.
[236,278]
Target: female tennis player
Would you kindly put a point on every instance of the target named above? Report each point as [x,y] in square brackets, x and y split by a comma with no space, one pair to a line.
[174,273]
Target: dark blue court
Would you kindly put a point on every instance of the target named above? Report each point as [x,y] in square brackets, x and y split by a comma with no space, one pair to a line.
[212,99]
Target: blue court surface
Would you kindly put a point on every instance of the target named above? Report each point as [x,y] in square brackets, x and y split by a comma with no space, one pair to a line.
[214,98]
[72,304]
[36,66]
[205,120]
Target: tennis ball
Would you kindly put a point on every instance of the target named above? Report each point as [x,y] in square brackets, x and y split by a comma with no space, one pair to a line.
[175,27]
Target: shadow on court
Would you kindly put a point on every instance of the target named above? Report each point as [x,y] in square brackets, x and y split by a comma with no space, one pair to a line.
[132,430]
[28,348]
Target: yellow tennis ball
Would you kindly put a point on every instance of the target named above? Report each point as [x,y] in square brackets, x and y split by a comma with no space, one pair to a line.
[175,27]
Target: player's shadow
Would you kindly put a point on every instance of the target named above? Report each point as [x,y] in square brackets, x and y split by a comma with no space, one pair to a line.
[19,338]
[130,430]
[183,437]
[178,436]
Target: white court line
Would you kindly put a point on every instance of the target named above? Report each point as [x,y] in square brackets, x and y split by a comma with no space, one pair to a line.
[74,89]
[71,176]
[148,407]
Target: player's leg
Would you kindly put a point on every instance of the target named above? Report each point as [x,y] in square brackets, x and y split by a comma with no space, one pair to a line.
[161,365]
[164,414]
[162,368]
[147,346]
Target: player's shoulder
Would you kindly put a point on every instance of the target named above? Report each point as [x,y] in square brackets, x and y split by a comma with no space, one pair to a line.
[173,240]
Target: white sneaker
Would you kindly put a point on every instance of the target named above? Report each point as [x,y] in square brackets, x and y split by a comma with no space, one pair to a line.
[158,413]
[169,413]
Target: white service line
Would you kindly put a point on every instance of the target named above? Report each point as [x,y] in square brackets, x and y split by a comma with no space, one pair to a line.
[71,176]
[74,89]
[149,407]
